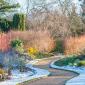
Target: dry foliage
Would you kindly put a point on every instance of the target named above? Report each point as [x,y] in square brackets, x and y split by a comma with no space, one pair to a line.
[56,23]
[75,45]
[40,40]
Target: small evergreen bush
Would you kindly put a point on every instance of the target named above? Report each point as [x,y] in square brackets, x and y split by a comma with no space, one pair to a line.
[19,22]
[59,47]
[5,25]
[17,44]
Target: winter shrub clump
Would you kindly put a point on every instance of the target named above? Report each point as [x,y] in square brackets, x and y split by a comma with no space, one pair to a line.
[17,44]
[38,39]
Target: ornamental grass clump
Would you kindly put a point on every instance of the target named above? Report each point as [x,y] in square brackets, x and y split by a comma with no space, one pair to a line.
[41,40]
[74,45]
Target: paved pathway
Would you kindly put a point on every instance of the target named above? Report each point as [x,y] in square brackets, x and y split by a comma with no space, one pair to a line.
[58,77]
[79,80]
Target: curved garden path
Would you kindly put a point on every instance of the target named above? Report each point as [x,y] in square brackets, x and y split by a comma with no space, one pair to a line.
[57,77]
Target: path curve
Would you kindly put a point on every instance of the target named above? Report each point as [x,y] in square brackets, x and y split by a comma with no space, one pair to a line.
[57,77]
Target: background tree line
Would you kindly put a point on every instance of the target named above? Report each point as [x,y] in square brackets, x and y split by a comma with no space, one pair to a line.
[18,19]
[58,19]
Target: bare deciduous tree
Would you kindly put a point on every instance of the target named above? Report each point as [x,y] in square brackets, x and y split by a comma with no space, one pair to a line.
[61,19]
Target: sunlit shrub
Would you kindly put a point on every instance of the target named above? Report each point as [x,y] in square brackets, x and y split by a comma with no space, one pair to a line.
[81,63]
[32,52]
[2,71]
[75,45]
[38,39]
[3,74]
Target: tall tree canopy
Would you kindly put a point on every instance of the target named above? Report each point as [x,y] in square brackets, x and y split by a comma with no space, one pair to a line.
[83,10]
[6,7]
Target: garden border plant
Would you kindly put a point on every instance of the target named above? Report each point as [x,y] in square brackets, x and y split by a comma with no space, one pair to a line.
[72,60]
